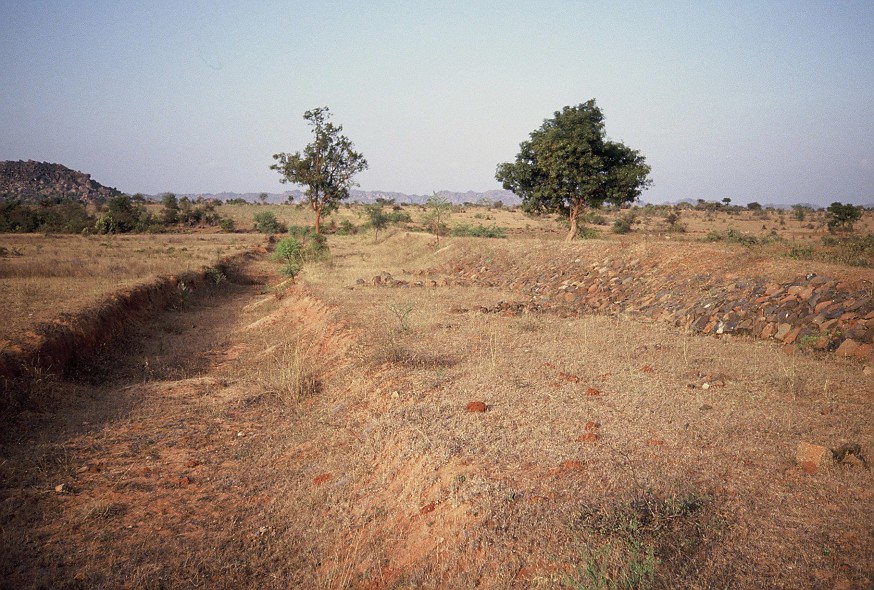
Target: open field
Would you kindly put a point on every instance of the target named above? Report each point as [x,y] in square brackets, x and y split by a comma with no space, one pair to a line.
[383,422]
[42,276]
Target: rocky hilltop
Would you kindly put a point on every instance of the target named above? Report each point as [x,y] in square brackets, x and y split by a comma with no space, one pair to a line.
[36,180]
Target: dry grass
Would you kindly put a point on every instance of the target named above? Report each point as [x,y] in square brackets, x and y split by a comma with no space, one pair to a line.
[601,461]
[520,476]
[46,275]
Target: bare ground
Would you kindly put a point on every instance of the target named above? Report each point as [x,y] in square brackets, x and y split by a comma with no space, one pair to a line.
[320,435]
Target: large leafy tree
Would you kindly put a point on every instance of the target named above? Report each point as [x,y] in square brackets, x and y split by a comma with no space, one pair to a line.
[568,164]
[326,166]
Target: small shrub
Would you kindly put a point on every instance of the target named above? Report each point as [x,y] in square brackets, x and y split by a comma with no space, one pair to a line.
[478,231]
[584,232]
[293,376]
[227,224]
[398,215]
[290,252]
[215,276]
[623,225]
[347,228]
[672,219]
[593,218]
[266,223]
[799,252]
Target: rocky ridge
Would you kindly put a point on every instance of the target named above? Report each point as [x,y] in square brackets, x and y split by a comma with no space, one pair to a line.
[811,311]
[29,180]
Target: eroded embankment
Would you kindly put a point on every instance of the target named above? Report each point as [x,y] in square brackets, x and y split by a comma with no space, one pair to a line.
[703,288]
[75,338]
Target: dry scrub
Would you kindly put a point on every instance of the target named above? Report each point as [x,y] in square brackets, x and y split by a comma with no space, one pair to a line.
[321,434]
[45,275]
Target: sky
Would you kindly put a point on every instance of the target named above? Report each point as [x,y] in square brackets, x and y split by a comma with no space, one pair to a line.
[754,101]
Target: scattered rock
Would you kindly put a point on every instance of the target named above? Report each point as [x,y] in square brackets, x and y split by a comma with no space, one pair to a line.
[588,437]
[591,425]
[476,407]
[62,488]
[847,348]
[322,478]
[90,468]
[592,392]
[647,369]
[569,377]
[811,457]
[850,454]
[654,442]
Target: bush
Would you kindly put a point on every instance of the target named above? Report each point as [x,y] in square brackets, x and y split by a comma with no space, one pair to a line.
[266,223]
[314,247]
[799,252]
[672,219]
[122,215]
[623,225]
[584,232]
[842,217]
[290,252]
[347,228]
[227,224]
[478,231]
[398,215]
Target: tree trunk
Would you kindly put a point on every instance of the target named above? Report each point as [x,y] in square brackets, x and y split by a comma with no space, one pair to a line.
[575,212]
[318,211]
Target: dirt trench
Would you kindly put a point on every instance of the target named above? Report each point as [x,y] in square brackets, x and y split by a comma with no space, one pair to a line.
[129,471]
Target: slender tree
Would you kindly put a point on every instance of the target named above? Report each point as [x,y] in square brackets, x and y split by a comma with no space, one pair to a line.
[568,164]
[326,166]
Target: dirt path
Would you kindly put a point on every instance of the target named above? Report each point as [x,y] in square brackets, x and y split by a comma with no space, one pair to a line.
[136,473]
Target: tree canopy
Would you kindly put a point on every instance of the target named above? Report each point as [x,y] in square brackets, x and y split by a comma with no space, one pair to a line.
[842,217]
[568,164]
[326,166]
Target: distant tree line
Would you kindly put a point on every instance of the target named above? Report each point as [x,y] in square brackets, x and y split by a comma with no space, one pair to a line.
[119,214]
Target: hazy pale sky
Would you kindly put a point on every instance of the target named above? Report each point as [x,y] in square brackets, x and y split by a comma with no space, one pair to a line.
[756,101]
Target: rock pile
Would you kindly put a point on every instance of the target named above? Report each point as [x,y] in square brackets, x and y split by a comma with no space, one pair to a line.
[812,311]
[29,180]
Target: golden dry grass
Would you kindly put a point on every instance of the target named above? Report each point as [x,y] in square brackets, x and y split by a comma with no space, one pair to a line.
[316,434]
[46,275]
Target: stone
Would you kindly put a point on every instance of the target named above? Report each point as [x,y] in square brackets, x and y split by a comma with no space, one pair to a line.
[791,336]
[822,305]
[812,457]
[782,331]
[476,407]
[847,348]
[588,437]
[863,351]
[62,488]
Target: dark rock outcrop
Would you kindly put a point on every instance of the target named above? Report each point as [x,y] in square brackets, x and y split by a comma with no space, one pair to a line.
[30,180]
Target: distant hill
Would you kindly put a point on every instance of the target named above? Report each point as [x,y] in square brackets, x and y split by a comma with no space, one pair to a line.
[358,196]
[32,180]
